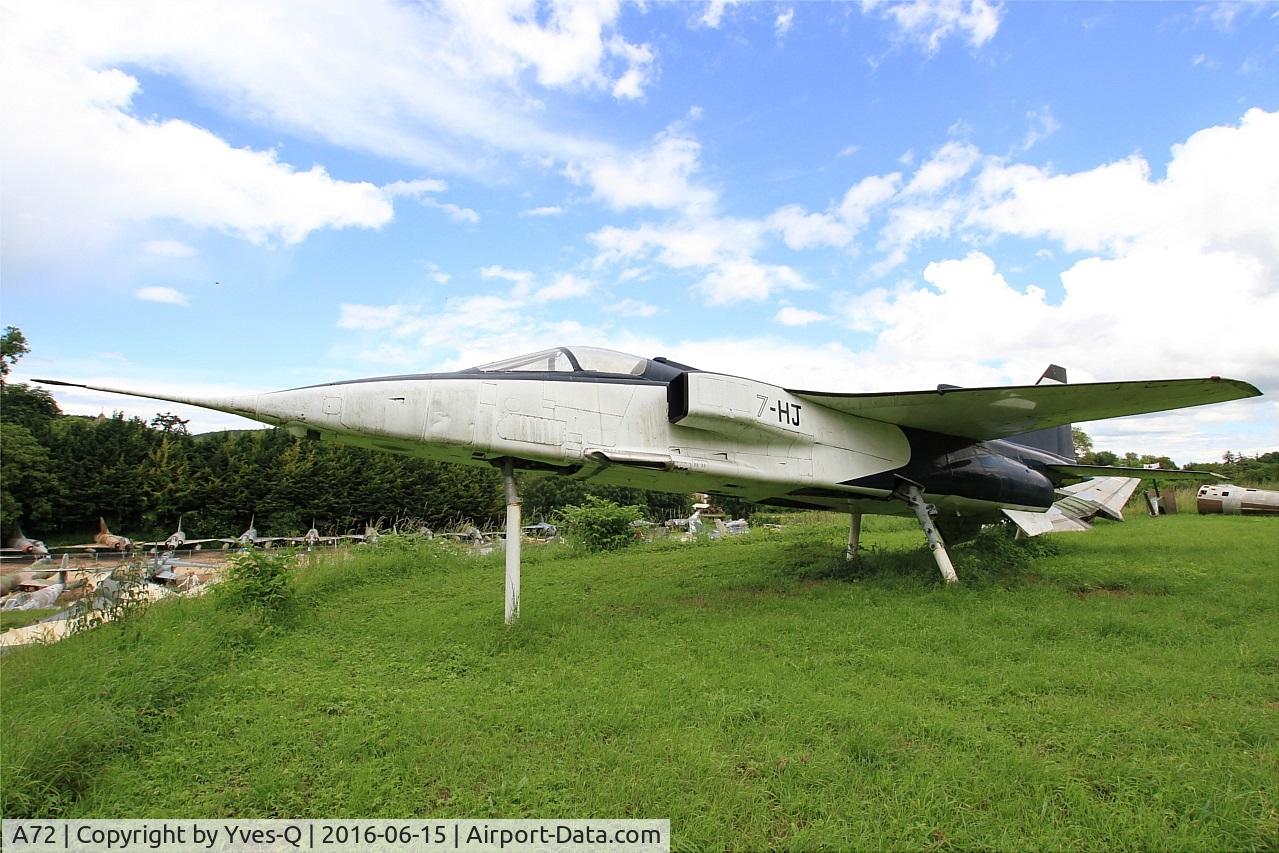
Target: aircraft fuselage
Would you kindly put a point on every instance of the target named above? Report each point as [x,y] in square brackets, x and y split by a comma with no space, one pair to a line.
[686,432]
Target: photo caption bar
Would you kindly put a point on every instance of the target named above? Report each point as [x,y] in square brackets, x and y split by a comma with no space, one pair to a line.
[336,836]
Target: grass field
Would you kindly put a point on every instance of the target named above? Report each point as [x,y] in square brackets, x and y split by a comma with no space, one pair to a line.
[21,618]
[1122,693]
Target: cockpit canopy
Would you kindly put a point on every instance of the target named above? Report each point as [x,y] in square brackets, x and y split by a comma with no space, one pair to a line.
[585,360]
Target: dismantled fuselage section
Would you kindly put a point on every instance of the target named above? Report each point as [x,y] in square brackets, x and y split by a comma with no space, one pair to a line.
[1236,500]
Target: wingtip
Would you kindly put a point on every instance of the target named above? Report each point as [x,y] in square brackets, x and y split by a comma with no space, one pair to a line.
[1248,389]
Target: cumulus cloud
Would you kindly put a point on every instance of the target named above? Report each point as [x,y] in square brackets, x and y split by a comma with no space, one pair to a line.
[713,15]
[782,25]
[930,22]
[1188,252]
[449,85]
[792,316]
[659,177]
[947,164]
[549,210]
[566,286]
[632,308]
[164,295]
[522,279]
[436,273]
[80,168]
[719,249]
[1043,124]
[423,190]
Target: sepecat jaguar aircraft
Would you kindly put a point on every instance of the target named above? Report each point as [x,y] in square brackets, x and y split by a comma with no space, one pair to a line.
[954,458]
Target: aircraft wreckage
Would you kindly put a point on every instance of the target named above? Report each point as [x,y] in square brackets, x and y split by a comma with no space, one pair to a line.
[954,458]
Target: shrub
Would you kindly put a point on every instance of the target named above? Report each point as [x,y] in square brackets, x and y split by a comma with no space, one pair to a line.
[600,525]
[259,580]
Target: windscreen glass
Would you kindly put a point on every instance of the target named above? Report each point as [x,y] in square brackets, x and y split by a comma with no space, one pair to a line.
[571,359]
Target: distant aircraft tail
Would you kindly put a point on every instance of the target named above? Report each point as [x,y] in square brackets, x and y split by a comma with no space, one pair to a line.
[1057,439]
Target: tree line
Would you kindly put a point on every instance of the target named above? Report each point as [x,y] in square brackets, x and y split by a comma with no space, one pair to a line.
[1260,469]
[59,473]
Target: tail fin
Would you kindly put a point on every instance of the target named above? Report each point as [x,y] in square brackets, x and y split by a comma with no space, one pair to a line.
[1056,439]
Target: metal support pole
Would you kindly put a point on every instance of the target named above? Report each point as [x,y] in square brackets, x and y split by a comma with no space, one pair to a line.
[513,527]
[854,536]
[915,498]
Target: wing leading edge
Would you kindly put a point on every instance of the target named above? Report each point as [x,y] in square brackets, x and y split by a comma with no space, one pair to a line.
[989,413]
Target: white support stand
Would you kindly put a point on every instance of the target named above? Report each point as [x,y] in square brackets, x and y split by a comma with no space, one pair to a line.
[923,511]
[854,536]
[513,529]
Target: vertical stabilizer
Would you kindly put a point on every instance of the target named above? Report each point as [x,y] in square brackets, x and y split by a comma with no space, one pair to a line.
[1056,439]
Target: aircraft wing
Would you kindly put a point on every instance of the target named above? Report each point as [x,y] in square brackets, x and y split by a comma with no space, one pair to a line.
[1078,505]
[989,413]
[1071,469]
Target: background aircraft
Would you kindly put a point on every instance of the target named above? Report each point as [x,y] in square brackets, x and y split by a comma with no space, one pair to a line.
[250,537]
[104,541]
[958,455]
[178,540]
[20,545]
[311,537]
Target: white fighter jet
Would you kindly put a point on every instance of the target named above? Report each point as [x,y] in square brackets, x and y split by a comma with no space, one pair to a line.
[952,457]
[178,541]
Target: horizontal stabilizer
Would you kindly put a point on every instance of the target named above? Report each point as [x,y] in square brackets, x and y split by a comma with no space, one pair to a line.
[1098,496]
[1077,506]
[990,413]
[1052,521]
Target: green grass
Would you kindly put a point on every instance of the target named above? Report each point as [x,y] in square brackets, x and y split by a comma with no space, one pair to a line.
[1122,692]
[22,618]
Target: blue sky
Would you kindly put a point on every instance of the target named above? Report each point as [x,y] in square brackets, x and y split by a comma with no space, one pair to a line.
[876,196]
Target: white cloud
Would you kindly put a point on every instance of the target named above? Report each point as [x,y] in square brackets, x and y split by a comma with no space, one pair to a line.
[522,279]
[745,279]
[418,188]
[421,189]
[658,177]
[1219,192]
[80,169]
[566,286]
[802,230]
[169,249]
[1043,124]
[455,212]
[440,86]
[722,250]
[849,150]
[639,72]
[713,16]
[165,295]
[931,22]
[792,316]
[549,210]
[948,164]
[865,196]
[436,273]
[782,25]
[632,308]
